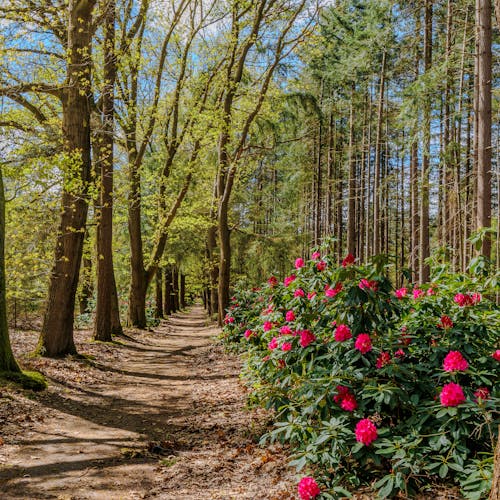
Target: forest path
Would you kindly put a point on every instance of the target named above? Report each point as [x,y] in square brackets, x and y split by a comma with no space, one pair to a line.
[159,415]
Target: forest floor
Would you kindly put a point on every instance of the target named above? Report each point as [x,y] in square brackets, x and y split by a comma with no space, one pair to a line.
[159,414]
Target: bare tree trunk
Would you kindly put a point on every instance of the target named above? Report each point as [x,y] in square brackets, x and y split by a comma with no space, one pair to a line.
[377,247]
[86,279]
[424,247]
[168,305]
[7,361]
[351,216]
[495,484]
[56,338]
[103,326]
[183,291]
[175,287]
[159,293]
[483,107]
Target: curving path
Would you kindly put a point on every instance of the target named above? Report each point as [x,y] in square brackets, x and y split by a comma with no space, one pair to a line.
[159,415]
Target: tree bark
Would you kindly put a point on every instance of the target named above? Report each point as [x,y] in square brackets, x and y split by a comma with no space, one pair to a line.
[183,291]
[495,484]
[56,338]
[424,246]
[7,360]
[103,326]
[168,306]
[351,216]
[483,107]
[159,293]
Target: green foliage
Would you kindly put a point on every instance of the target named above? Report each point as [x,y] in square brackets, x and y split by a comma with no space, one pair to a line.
[33,381]
[303,368]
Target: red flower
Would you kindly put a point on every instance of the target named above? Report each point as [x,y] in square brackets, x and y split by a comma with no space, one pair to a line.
[289,279]
[366,432]
[299,293]
[306,337]
[342,391]
[228,319]
[248,334]
[273,281]
[401,292]
[349,402]
[331,292]
[348,260]
[321,265]
[482,394]
[290,315]
[417,293]
[308,488]
[287,346]
[451,395]
[311,295]
[315,256]
[383,359]
[496,355]
[285,330]
[446,323]
[454,361]
[363,343]
[343,332]
[364,284]
[281,363]
[399,353]
[273,344]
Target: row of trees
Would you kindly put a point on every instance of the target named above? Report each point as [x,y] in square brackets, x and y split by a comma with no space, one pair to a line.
[228,136]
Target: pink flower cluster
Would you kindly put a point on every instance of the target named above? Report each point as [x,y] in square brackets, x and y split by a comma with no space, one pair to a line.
[273,344]
[372,285]
[228,319]
[299,293]
[299,263]
[287,346]
[345,398]
[466,299]
[342,333]
[363,343]
[454,361]
[365,432]
[290,315]
[401,292]
[273,281]
[321,265]
[308,488]
[267,326]
[248,334]
[315,255]
[496,355]
[417,293]
[306,337]
[482,394]
[451,395]
[289,279]
[332,291]
[285,330]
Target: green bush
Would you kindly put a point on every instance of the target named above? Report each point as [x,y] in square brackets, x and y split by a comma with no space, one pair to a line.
[395,389]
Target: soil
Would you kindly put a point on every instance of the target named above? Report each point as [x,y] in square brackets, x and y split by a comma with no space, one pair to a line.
[158,414]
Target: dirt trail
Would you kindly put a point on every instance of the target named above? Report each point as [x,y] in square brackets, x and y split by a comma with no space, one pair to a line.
[159,415]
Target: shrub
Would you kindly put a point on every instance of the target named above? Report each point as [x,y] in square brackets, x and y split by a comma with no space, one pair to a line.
[371,385]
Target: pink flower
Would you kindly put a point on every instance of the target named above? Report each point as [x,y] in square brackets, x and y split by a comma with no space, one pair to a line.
[311,295]
[331,292]
[342,391]
[285,330]
[383,359]
[289,279]
[363,343]
[451,395]
[228,320]
[306,337]
[372,285]
[482,394]
[496,355]
[476,298]
[308,488]
[343,332]
[299,263]
[431,291]
[349,402]
[248,334]
[417,293]
[267,326]
[401,292]
[287,346]
[399,353]
[348,260]
[273,344]
[299,293]
[461,299]
[454,361]
[366,432]
[315,256]
[321,265]
[290,315]
[445,323]
[273,281]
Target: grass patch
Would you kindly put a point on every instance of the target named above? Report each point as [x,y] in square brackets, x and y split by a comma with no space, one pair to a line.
[32,381]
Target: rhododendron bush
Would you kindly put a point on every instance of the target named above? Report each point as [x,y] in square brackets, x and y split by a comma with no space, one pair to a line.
[389,387]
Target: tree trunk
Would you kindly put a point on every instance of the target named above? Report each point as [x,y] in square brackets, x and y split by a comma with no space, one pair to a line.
[168,306]
[103,326]
[483,107]
[224,263]
[56,338]
[351,215]
[377,223]
[175,287]
[116,325]
[183,291]
[7,360]
[86,279]
[424,247]
[495,484]
[159,294]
